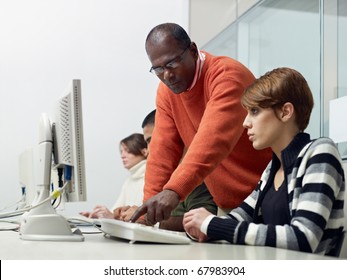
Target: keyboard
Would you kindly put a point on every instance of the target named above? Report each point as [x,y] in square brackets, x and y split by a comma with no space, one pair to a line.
[80,220]
[142,233]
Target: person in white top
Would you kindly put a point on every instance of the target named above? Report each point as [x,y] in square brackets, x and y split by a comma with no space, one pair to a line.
[133,150]
[132,189]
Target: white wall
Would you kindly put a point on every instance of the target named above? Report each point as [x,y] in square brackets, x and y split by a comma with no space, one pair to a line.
[220,14]
[45,44]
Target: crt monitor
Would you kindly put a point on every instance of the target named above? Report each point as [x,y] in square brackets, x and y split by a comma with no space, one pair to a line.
[60,148]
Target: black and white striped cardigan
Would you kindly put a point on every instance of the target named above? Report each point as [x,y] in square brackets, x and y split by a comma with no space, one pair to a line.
[316,186]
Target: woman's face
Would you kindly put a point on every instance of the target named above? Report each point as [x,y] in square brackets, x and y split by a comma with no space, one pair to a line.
[264,128]
[129,160]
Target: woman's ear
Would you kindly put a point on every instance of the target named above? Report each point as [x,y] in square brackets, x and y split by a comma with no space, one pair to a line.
[144,152]
[287,111]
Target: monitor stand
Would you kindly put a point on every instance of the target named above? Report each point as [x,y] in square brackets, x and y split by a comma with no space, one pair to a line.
[44,224]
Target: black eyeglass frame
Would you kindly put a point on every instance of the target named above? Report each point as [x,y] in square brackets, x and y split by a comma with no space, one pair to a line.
[170,65]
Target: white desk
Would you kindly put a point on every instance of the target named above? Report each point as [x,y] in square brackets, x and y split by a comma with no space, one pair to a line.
[97,247]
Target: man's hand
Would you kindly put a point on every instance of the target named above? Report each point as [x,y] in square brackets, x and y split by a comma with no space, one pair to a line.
[158,207]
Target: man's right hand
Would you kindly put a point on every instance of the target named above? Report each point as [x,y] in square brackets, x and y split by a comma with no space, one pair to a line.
[158,207]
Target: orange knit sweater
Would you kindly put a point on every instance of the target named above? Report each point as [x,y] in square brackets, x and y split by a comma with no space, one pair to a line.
[207,120]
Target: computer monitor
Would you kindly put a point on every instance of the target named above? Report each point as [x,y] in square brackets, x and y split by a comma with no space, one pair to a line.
[68,148]
[26,177]
[60,148]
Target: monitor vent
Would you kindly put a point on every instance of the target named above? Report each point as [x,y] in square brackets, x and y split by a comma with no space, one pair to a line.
[66,155]
[79,137]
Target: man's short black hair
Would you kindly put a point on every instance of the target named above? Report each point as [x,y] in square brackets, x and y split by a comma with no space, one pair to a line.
[149,119]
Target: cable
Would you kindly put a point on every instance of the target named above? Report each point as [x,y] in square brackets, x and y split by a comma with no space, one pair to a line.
[57,202]
[60,172]
[83,222]
[65,172]
[9,225]
[11,205]
[54,195]
[14,213]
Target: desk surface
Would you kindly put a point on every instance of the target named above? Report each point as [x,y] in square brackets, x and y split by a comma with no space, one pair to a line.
[97,247]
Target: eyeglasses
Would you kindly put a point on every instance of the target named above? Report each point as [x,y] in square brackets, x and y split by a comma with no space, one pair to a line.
[171,65]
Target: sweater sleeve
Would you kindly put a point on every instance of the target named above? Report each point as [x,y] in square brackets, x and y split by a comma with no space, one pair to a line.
[120,199]
[224,228]
[317,209]
[166,150]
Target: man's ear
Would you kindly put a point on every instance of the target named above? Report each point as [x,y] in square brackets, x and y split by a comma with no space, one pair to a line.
[287,111]
[195,50]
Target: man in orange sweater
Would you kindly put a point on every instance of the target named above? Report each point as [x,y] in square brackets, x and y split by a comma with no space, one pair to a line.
[198,109]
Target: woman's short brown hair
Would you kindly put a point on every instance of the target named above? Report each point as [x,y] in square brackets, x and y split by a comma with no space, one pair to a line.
[275,88]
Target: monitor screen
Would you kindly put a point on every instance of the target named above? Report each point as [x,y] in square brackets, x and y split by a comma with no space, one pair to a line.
[60,148]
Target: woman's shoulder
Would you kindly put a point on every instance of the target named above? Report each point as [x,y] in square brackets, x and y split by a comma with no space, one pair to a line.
[321,142]
[322,145]
[324,140]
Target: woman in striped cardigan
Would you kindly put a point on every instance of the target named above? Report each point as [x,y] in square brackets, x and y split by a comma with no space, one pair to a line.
[298,203]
